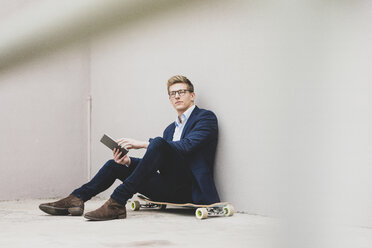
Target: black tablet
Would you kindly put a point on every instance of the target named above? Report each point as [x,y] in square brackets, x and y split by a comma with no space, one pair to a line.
[110,143]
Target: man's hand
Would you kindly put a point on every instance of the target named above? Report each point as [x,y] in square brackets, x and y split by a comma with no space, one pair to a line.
[132,144]
[124,160]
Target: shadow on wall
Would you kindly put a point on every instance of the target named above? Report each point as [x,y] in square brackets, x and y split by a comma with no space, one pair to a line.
[72,24]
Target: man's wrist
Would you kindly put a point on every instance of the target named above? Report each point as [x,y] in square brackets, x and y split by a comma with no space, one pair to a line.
[146,144]
[129,162]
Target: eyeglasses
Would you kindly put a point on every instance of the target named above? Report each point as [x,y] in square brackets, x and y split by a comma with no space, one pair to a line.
[173,94]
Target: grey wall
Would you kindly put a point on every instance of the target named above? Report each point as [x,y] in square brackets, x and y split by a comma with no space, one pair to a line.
[217,47]
[44,125]
[288,80]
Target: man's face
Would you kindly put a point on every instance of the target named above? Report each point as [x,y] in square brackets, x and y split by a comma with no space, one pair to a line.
[181,102]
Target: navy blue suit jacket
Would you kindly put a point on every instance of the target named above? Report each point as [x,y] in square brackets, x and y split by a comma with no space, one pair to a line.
[197,147]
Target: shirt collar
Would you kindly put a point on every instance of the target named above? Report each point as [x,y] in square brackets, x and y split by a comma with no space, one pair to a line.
[185,116]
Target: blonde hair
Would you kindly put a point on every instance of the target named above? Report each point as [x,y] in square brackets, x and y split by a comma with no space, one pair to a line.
[180,79]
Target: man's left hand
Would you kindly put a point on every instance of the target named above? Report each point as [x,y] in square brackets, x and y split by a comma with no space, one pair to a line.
[125,160]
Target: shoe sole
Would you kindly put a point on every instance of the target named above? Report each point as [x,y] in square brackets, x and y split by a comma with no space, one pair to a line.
[122,216]
[75,211]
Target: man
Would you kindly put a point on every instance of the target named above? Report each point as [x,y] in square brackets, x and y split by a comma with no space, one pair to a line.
[175,168]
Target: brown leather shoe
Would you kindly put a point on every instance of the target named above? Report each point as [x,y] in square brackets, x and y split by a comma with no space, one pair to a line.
[109,211]
[69,205]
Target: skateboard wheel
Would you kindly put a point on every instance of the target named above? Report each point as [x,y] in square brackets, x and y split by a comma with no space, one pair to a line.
[229,210]
[162,206]
[201,213]
[135,205]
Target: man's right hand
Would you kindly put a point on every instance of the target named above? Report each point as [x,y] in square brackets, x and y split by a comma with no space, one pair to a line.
[132,143]
[125,160]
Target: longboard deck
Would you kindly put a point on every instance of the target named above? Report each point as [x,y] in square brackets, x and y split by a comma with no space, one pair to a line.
[202,211]
[217,204]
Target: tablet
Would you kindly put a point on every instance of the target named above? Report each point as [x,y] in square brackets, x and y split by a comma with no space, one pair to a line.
[110,143]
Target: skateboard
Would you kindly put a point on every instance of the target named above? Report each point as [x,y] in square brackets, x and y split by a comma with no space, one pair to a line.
[201,212]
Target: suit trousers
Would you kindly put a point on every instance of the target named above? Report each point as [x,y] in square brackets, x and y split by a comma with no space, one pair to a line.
[161,175]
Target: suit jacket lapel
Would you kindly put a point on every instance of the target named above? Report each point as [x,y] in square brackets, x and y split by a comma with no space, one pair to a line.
[190,121]
[169,134]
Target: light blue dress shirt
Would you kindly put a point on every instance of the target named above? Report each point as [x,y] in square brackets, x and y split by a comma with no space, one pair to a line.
[179,126]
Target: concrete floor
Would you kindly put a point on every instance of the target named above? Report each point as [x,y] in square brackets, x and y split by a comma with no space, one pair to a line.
[22,224]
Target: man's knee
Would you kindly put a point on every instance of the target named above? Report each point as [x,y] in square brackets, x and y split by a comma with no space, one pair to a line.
[113,167]
[158,143]
[110,163]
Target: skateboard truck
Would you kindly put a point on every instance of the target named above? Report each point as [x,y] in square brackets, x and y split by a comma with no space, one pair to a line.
[136,205]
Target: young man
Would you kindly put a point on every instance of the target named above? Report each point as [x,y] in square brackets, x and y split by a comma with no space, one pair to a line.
[175,168]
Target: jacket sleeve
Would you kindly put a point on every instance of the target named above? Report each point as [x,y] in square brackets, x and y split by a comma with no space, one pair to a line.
[204,129]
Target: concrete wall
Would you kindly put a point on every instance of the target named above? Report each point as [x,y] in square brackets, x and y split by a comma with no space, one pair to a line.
[289,82]
[44,125]
[225,52]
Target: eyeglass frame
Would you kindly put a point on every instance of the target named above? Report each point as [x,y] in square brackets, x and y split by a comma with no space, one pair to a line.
[180,93]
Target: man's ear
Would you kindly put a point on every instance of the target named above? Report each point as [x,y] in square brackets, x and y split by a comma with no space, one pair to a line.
[193,96]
